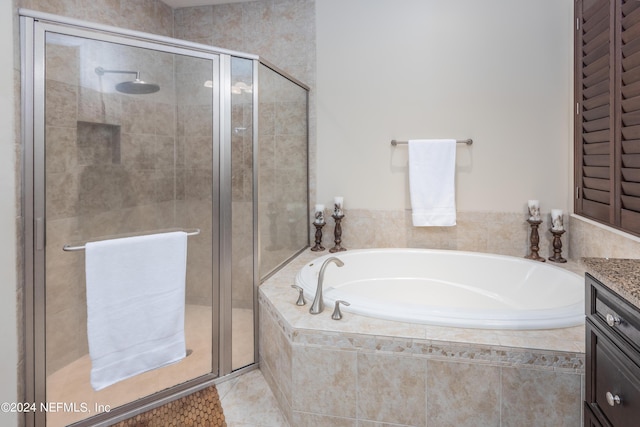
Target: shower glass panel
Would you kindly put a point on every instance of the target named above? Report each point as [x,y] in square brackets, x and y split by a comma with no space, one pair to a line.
[242,273]
[121,162]
[283,160]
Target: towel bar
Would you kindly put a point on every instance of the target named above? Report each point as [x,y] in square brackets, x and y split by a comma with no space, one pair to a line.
[459,141]
[70,248]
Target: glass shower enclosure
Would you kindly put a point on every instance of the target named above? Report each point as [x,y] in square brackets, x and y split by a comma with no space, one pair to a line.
[128,134]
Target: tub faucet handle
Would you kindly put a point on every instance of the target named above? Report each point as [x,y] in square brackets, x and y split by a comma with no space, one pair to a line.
[337,314]
[301,300]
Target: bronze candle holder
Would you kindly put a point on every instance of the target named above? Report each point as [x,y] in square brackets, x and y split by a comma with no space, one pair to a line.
[535,240]
[318,247]
[337,233]
[557,246]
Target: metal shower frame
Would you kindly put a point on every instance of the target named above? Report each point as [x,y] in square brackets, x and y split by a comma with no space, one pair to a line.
[33,28]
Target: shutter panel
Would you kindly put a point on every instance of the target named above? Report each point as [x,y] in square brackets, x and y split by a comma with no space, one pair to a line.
[594,125]
[629,162]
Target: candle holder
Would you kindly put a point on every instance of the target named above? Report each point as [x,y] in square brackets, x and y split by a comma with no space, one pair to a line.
[337,233]
[557,246]
[318,247]
[535,240]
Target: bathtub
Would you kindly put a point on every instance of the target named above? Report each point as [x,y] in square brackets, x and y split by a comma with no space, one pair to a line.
[450,288]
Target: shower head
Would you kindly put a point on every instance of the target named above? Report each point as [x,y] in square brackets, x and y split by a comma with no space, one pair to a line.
[135,87]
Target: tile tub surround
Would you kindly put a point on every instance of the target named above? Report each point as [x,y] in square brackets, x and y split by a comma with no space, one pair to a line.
[505,233]
[364,371]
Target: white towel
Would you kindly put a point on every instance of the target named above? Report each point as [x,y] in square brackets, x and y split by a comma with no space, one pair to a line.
[432,165]
[135,305]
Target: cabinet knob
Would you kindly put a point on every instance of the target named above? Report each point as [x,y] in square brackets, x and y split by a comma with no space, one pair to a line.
[613,400]
[613,320]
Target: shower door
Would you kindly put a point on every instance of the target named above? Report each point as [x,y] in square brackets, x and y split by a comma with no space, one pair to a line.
[115,157]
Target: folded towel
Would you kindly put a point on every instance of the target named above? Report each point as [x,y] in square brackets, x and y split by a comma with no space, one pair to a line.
[432,165]
[135,305]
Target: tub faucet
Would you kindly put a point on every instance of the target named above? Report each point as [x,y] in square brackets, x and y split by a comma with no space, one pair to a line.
[318,304]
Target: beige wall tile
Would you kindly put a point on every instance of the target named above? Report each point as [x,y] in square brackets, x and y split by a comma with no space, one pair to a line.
[194,23]
[474,391]
[391,389]
[590,240]
[494,232]
[318,374]
[526,398]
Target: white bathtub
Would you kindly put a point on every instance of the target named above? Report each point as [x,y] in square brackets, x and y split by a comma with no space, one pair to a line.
[450,288]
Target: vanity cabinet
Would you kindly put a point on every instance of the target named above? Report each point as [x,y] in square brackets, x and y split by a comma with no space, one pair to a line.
[612,395]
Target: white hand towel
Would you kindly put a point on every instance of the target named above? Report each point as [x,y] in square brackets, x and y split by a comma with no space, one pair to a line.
[432,164]
[135,305]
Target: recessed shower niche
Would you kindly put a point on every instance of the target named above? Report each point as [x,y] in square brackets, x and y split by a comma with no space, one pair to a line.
[166,135]
[98,143]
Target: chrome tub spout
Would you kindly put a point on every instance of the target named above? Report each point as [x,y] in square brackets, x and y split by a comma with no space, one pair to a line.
[318,304]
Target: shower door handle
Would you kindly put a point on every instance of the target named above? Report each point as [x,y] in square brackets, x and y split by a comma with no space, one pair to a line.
[39,237]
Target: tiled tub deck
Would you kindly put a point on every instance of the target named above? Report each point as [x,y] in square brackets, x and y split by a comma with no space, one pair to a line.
[369,372]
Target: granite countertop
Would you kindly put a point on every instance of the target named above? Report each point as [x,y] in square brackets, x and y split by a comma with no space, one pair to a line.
[620,275]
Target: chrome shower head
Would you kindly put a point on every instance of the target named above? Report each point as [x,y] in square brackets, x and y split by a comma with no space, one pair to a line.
[135,87]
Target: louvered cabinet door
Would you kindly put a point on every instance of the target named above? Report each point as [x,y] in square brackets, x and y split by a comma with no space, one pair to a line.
[630,115]
[595,88]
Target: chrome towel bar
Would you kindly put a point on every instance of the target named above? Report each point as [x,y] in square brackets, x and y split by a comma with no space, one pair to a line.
[459,141]
[70,248]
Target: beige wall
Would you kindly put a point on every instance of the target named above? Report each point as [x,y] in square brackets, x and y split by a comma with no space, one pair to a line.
[8,213]
[414,69]
[496,71]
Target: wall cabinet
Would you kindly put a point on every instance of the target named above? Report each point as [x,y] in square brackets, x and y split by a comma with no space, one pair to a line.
[612,396]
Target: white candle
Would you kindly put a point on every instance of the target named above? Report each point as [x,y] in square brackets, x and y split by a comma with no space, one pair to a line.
[556,220]
[319,214]
[534,210]
[337,205]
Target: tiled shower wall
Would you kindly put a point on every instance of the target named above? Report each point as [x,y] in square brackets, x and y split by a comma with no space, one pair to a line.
[152,16]
[282,141]
[280,31]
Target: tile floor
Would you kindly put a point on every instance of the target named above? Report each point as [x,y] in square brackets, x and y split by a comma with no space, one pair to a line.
[247,401]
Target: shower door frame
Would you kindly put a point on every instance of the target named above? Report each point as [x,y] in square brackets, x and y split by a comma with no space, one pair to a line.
[33,28]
